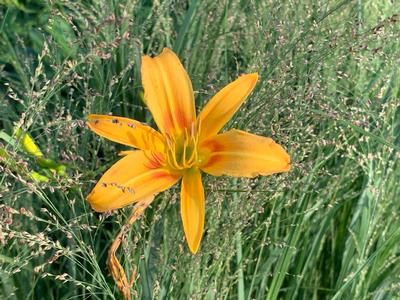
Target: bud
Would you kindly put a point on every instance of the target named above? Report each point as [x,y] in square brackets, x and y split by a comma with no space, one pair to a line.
[27,143]
[38,177]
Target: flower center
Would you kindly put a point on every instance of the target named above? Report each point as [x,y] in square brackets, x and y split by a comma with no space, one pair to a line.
[181,151]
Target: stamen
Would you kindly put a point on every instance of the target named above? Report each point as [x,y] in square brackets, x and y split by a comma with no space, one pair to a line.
[192,130]
[185,144]
[181,150]
[168,140]
[198,125]
[174,161]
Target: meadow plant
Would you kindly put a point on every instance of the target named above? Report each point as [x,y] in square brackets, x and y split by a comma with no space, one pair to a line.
[328,92]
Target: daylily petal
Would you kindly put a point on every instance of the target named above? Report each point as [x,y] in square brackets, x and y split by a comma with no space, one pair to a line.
[220,109]
[126,131]
[192,208]
[168,92]
[131,179]
[238,153]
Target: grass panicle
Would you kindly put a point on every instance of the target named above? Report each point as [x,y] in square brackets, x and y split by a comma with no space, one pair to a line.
[328,91]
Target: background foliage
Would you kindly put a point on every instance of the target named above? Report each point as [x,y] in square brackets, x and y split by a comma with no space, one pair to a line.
[329,92]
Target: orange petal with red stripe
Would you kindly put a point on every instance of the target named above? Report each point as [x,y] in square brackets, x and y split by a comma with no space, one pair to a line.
[132,178]
[168,92]
[242,154]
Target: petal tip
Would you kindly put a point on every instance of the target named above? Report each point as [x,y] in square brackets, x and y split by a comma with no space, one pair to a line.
[96,204]
[92,119]
[251,76]
[98,209]
[167,50]
[194,248]
[254,75]
[146,59]
[91,199]
[93,204]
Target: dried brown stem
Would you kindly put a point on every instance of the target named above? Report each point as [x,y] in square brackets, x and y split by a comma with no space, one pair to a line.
[117,271]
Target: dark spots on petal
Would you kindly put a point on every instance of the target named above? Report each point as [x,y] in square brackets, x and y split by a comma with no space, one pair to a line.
[122,188]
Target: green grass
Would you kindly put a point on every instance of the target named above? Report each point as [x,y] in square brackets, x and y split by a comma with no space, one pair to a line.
[329,91]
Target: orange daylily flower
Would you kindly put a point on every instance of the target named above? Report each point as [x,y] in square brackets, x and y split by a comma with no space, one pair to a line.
[185,145]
